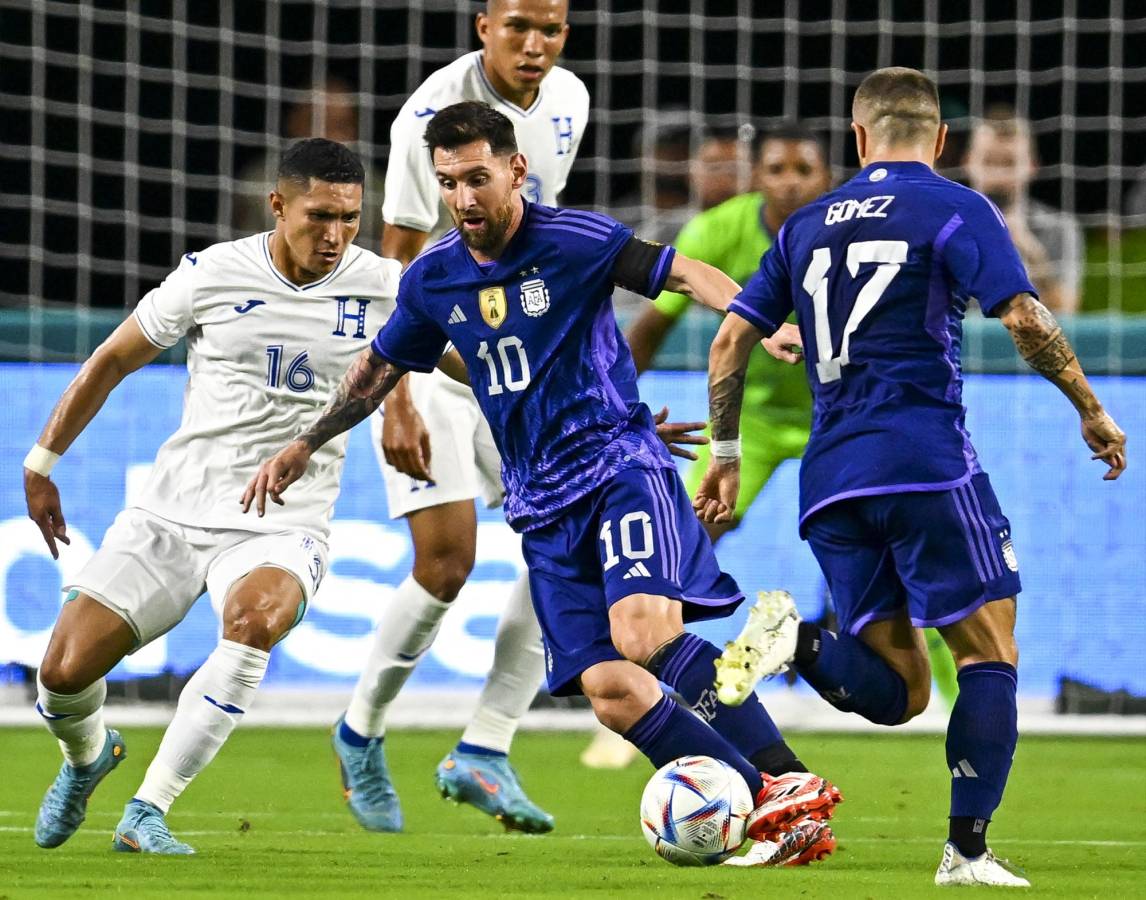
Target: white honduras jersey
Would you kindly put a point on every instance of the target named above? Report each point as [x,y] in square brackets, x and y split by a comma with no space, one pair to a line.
[263,356]
[548,133]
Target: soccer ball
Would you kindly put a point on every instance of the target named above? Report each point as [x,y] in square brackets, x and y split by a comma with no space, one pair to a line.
[694,811]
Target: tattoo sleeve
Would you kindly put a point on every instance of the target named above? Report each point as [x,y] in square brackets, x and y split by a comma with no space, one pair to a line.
[727,368]
[361,391]
[1037,336]
[725,396]
[1040,341]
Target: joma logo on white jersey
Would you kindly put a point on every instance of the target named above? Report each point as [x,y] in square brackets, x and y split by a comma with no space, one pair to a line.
[871,208]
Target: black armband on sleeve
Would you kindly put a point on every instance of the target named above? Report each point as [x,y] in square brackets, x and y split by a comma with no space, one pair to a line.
[642,266]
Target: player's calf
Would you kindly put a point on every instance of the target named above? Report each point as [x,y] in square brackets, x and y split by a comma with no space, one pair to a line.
[983,730]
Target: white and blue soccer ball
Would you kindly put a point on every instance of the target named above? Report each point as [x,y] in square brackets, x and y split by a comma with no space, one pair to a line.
[694,811]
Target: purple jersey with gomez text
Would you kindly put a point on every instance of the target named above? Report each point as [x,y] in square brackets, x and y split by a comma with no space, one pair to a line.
[879,273]
[547,362]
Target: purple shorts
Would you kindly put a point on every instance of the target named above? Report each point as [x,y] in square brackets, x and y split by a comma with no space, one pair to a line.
[635,534]
[936,555]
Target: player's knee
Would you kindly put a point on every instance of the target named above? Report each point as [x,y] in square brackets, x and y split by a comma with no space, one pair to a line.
[257,620]
[918,698]
[443,572]
[60,674]
[988,648]
[641,623]
[619,694]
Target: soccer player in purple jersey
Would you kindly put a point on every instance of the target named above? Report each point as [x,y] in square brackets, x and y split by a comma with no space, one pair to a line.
[893,501]
[617,560]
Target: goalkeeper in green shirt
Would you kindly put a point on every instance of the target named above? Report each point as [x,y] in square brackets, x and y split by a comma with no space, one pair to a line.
[791,169]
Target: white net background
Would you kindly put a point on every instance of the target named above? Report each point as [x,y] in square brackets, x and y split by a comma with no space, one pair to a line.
[126,124]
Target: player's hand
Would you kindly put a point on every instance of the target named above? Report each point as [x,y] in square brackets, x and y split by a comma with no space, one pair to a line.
[275,476]
[715,500]
[1107,441]
[786,344]
[406,441]
[44,509]
[676,433]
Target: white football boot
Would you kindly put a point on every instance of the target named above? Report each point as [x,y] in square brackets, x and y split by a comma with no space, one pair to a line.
[804,841]
[764,648]
[987,869]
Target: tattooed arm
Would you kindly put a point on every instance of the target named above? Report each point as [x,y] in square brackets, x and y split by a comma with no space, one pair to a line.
[1040,341]
[361,391]
[715,499]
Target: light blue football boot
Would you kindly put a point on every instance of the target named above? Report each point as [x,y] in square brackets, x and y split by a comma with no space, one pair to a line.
[366,783]
[490,784]
[65,804]
[144,830]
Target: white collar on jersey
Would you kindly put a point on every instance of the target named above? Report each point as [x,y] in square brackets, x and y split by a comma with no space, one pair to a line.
[290,284]
[524,113]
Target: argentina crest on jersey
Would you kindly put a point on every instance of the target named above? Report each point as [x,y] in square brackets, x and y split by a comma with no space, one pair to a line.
[534,297]
[491,302]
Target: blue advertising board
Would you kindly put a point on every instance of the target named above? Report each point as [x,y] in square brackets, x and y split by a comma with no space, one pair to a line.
[1081,542]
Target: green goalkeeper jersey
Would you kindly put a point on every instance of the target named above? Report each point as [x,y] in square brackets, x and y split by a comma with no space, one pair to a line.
[732,237]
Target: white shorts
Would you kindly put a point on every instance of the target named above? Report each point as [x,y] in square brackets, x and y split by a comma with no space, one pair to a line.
[463,458]
[151,571]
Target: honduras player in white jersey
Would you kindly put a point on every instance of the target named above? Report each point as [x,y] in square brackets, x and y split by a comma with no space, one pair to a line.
[435,449]
[271,323]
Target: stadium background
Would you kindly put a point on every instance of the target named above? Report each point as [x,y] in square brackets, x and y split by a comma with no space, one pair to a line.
[126,127]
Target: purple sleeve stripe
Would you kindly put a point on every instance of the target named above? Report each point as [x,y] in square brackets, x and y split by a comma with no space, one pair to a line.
[401,363]
[580,223]
[448,241]
[780,244]
[588,217]
[556,227]
[661,272]
[747,312]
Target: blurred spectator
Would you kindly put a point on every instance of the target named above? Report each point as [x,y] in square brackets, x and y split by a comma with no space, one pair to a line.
[330,113]
[721,168]
[1001,162]
[674,186]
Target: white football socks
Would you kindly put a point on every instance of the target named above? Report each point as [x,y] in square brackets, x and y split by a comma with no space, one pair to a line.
[76,720]
[406,630]
[209,708]
[518,669]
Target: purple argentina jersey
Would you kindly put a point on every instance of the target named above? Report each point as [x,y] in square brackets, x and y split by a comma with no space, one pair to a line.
[549,367]
[879,273]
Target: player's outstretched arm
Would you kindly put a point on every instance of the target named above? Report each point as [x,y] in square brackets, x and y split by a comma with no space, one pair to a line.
[1040,341]
[701,282]
[362,389]
[714,289]
[125,350]
[715,499]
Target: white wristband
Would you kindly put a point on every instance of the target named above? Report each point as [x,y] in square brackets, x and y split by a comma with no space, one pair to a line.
[726,449]
[41,460]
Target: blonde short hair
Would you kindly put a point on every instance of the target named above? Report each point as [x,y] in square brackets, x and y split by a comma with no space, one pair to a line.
[897,105]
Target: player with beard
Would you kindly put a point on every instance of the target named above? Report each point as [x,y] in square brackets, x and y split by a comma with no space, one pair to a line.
[617,561]
[434,447]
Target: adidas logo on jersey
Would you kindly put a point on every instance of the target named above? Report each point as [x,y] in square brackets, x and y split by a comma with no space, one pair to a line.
[638,571]
[457,316]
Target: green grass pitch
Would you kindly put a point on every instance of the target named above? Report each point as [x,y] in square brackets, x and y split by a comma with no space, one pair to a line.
[267,819]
